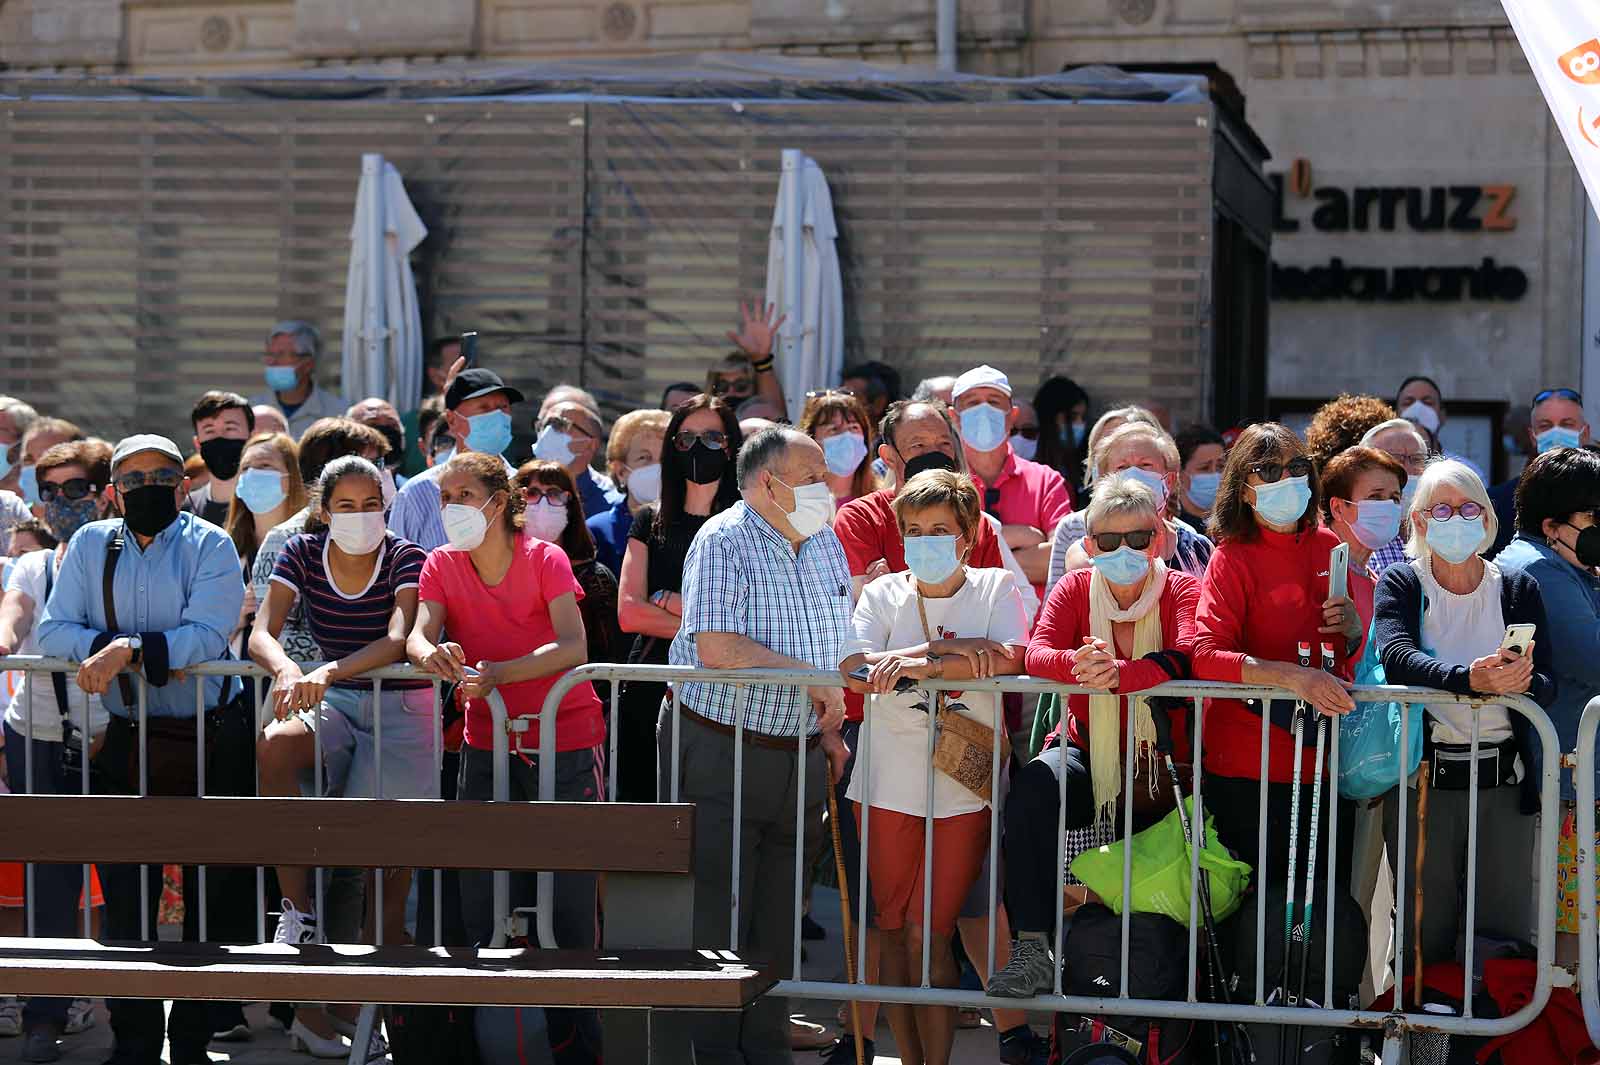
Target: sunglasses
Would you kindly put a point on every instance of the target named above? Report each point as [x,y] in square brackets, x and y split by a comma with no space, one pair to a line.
[1559,393]
[1272,471]
[819,393]
[1138,539]
[75,489]
[130,482]
[566,425]
[1444,511]
[715,439]
[559,497]
[1027,432]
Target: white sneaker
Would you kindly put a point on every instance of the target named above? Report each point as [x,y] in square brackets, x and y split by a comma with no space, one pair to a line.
[10,1016]
[295,926]
[80,1016]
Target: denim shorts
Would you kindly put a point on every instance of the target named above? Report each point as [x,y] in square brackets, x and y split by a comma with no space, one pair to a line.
[349,745]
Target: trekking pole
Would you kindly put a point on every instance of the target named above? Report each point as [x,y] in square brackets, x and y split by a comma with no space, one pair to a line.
[1311,860]
[844,914]
[1299,724]
[1416,888]
[1238,1039]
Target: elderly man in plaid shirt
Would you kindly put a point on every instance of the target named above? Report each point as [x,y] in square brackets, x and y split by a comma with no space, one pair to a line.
[765,585]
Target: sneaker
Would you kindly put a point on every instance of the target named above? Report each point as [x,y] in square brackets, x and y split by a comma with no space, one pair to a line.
[10,1016]
[295,926]
[80,1016]
[41,1044]
[239,1033]
[1021,1046]
[842,1051]
[1029,971]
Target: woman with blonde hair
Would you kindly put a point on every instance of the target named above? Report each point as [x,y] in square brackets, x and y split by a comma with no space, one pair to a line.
[268,492]
[633,457]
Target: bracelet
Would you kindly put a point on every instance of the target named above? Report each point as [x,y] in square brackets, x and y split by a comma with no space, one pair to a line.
[762,365]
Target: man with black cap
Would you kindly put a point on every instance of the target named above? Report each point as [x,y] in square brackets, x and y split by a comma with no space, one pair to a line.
[175,594]
[477,412]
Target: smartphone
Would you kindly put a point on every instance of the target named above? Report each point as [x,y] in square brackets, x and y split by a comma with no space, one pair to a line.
[1517,638]
[469,348]
[1339,572]
[861,673]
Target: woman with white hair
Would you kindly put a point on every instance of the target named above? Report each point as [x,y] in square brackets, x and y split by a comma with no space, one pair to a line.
[1439,623]
[1402,441]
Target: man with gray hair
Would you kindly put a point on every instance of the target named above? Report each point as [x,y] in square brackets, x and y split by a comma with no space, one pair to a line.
[290,362]
[16,418]
[765,585]
[931,388]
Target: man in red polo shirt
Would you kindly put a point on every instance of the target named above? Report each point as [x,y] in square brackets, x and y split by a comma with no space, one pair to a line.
[1028,498]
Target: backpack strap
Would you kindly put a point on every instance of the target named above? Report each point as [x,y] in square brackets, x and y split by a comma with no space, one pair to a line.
[57,680]
[108,592]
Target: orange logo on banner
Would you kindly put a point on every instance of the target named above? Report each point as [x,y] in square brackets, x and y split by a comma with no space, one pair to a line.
[1582,64]
[1584,125]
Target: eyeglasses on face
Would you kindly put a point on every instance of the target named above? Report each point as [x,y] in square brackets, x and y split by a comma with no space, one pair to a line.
[74,489]
[1138,539]
[558,497]
[1559,393]
[1272,471]
[1444,511]
[1413,461]
[566,425]
[715,439]
[167,478]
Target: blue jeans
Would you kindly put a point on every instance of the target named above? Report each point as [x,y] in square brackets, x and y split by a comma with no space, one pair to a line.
[55,887]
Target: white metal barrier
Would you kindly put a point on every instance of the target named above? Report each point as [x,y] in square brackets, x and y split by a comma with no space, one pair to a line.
[1394,1024]
[1588,964]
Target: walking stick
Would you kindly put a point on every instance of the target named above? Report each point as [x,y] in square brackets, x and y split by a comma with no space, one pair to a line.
[844,914]
[1416,897]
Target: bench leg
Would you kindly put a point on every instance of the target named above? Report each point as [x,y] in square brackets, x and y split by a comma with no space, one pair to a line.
[363,1037]
[647,911]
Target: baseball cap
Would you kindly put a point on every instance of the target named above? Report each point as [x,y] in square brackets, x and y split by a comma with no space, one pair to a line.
[130,446]
[980,377]
[470,384]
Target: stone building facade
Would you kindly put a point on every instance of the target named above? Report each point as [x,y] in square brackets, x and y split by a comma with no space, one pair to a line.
[1384,120]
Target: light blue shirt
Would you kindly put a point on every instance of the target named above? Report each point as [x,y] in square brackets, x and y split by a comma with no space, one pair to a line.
[185,586]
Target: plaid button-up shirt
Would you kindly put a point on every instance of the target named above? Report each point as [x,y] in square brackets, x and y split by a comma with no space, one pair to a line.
[741,576]
[1386,556]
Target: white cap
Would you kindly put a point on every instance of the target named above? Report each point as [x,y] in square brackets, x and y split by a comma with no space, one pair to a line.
[130,446]
[981,377]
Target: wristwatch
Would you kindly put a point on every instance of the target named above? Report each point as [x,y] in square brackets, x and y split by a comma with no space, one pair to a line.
[136,645]
[937,660]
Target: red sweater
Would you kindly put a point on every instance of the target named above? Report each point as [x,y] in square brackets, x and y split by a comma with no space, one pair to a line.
[1064,622]
[1261,598]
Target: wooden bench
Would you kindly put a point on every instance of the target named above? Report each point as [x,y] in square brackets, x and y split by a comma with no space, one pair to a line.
[648,962]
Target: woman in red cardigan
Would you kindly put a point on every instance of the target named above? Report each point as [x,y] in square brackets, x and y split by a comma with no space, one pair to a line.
[1122,625]
[1265,592]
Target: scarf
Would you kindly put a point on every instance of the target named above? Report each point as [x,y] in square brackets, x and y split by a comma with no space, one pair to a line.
[1105,731]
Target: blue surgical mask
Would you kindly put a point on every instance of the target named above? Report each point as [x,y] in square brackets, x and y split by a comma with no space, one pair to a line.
[1283,502]
[282,378]
[489,433]
[1408,492]
[1153,481]
[29,483]
[1455,540]
[1558,436]
[983,428]
[931,559]
[5,461]
[1377,522]
[844,452]
[1025,448]
[260,490]
[1080,430]
[1203,489]
[1122,566]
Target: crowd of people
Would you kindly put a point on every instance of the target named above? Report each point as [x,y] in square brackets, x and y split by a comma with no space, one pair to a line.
[963,532]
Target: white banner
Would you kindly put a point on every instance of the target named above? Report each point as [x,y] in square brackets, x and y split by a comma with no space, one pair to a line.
[1561,40]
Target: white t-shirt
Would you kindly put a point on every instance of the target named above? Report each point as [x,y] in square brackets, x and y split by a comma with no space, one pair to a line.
[27,575]
[1459,630]
[989,606]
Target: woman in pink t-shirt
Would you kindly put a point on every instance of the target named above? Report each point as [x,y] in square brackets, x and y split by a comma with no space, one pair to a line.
[509,603]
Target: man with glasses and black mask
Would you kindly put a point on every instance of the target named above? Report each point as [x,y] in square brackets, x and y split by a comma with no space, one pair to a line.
[172,582]
[222,422]
[572,435]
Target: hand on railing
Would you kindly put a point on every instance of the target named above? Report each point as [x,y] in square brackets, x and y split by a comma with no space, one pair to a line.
[1502,673]
[1094,666]
[294,691]
[979,653]
[446,661]
[483,679]
[101,668]
[828,703]
[1326,693]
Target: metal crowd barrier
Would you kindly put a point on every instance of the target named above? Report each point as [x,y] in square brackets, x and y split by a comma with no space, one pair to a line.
[1394,1024]
[1588,963]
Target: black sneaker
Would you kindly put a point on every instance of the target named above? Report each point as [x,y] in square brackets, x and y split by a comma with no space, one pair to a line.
[1020,1046]
[811,930]
[39,1045]
[843,1051]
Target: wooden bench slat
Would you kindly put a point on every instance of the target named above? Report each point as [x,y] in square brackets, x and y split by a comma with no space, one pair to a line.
[351,833]
[655,979]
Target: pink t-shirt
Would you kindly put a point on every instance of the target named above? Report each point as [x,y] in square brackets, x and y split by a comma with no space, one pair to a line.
[508,621]
[1030,494]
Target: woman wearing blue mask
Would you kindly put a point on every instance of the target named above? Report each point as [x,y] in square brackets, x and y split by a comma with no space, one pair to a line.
[1121,625]
[838,422]
[941,620]
[1201,453]
[1440,623]
[1361,492]
[268,492]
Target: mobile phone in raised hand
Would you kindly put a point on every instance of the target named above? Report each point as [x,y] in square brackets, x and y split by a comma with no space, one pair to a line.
[469,348]
[1339,572]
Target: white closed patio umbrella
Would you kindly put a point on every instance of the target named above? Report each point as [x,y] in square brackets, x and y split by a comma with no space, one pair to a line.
[382,351]
[803,281]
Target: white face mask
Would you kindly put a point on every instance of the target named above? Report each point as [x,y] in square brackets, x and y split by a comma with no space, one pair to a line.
[644,483]
[1419,413]
[465,526]
[546,520]
[386,480]
[554,446]
[356,534]
[813,508]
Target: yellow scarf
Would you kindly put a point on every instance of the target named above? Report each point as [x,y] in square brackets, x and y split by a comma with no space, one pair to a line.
[1105,731]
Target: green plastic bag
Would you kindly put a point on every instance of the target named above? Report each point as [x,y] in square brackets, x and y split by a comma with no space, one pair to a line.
[1160,881]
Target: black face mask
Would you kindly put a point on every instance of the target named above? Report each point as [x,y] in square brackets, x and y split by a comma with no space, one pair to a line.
[1587,546]
[149,509]
[221,457]
[929,460]
[705,465]
[397,444]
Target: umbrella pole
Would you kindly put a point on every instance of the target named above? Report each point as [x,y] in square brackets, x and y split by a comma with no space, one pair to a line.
[844,914]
